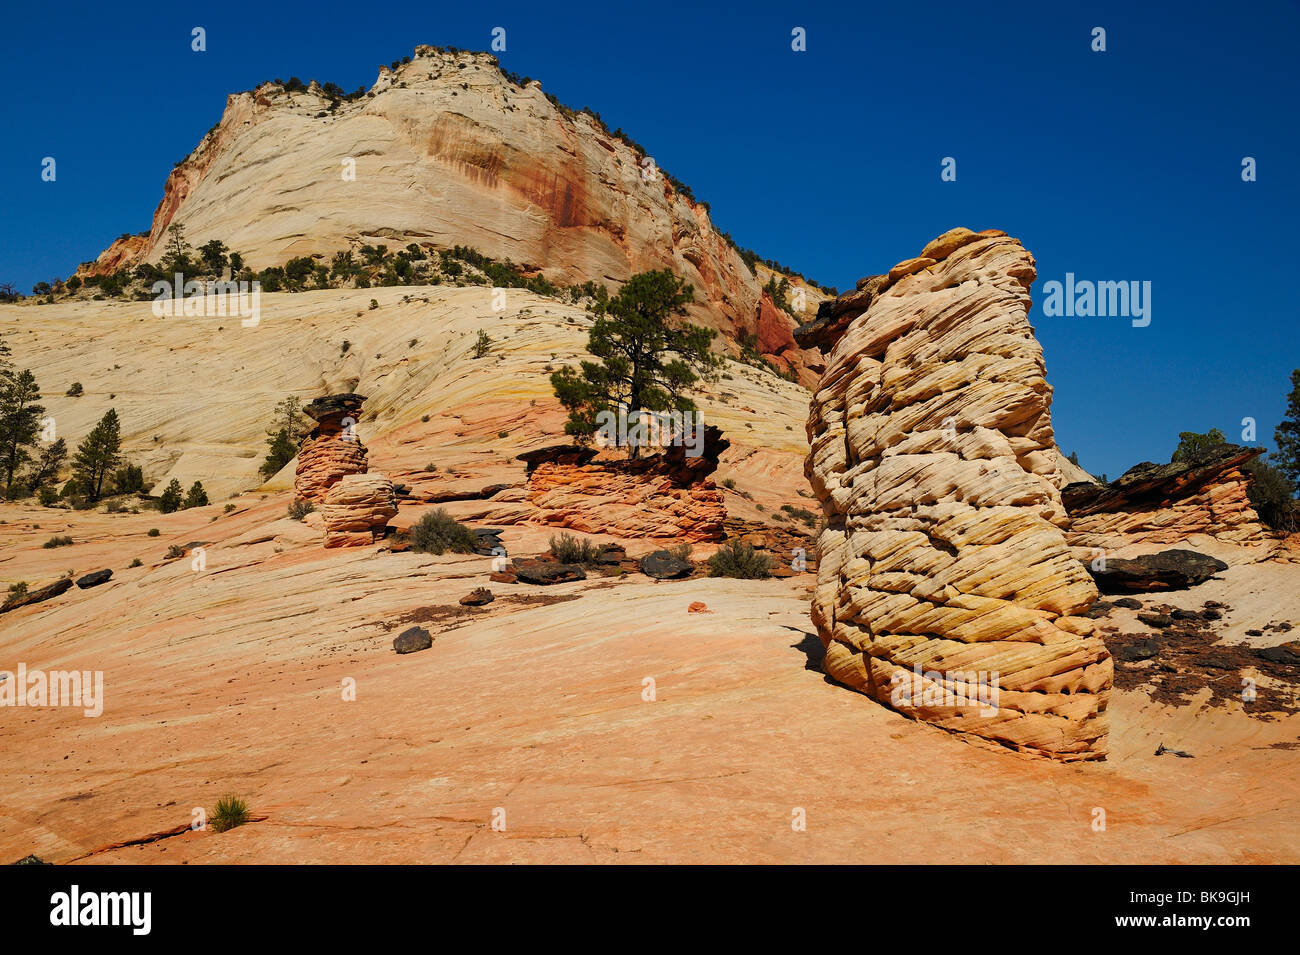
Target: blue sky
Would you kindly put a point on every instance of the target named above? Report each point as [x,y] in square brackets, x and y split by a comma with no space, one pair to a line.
[1122,165]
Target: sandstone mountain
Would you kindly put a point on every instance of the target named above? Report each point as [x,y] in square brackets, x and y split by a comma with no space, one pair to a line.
[448,150]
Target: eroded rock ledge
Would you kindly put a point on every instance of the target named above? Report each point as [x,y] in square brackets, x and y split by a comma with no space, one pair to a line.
[944,552]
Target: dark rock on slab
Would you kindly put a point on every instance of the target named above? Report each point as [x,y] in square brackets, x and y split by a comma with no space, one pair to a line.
[1287,653]
[544,574]
[1100,609]
[477,597]
[1168,570]
[1129,603]
[1138,650]
[503,577]
[334,406]
[1211,614]
[557,454]
[413,640]
[662,565]
[94,579]
[611,554]
[1158,620]
[1180,614]
[36,596]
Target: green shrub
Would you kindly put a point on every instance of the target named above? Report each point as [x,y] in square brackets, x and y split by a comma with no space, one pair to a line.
[300,508]
[739,559]
[438,532]
[57,541]
[47,496]
[17,590]
[482,345]
[75,391]
[568,549]
[136,563]
[231,812]
[176,550]
[1270,495]
[153,532]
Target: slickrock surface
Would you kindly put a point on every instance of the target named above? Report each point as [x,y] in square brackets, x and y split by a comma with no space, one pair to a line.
[932,455]
[357,508]
[447,150]
[231,681]
[1168,503]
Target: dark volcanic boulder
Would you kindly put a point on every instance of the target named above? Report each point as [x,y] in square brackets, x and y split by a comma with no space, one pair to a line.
[94,579]
[36,596]
[1167,570]
[662,565]
[409,641]
[549,573]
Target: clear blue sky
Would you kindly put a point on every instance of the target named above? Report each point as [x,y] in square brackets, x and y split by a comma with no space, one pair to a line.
[1123,165]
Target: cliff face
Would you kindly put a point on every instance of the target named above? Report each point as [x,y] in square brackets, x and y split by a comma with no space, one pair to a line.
[945,587]
[448,151]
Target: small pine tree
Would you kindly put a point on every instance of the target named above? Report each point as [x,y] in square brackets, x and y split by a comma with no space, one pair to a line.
[1192,443]
[98,455]
[646,361]
[197,497]
[171,497]
[1287,437]
[284,436]
[20,418]
[47,466]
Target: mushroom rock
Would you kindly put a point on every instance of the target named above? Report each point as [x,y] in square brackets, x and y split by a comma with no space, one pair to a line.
[357,508]
[945,588]
[332,449]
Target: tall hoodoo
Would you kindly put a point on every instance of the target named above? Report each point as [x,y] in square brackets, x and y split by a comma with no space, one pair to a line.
[333,449]
[946,588]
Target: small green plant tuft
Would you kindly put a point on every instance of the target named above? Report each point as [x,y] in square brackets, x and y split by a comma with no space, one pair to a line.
[230,813]
[57,541]
[153,532]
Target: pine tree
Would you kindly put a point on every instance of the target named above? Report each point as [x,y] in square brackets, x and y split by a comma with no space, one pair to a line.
[47,466]
[1287,437]
[646,362]
[20,418]
[98,455]
[171,498]
[284,436]
[197,497]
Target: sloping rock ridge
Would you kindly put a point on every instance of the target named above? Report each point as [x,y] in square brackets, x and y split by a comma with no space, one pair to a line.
[1166,503]
[945,588]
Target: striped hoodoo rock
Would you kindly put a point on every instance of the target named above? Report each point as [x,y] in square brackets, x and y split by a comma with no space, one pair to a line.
[946,588]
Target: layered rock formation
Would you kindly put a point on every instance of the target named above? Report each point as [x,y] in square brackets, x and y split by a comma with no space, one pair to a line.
[946,588]
[446,149]
[333,449]
[357,508]
[1167,503]
[664,496]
